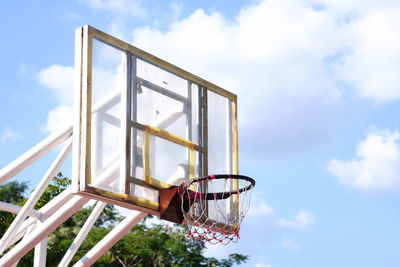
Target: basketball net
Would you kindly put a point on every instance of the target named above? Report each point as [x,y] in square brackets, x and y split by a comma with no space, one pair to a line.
[215,206]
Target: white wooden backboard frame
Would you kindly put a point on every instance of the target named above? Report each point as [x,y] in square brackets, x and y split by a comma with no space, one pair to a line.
[82,170]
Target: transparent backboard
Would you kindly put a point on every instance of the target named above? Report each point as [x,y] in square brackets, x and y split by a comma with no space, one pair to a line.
[142,124]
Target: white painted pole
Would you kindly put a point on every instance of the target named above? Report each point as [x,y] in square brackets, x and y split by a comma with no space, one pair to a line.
[111,238]
[28,230]
[115,235]
[39,259]
[47,211]
[43,230]
[108,175]
[57,202]
[15,209]
[41,187]
[107,102]
[34,154]
[82,234]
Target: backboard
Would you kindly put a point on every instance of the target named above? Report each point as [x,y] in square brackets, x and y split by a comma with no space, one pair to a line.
[142,124]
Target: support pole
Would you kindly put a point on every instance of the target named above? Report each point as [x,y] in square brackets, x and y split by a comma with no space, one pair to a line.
[111,238]
[41,187]
[39,259]
[28,231]
[34,154]
[114,236]
[47,211]
[43,230]
[15,209]
[82,234]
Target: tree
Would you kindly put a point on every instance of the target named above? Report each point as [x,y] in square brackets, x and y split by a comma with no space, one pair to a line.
[57,185]
[145,245]
[13,193]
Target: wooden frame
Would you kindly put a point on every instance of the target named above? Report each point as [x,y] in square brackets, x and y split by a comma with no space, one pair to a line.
[83,126]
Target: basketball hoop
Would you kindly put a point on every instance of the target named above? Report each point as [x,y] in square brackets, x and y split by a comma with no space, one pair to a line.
[214,206]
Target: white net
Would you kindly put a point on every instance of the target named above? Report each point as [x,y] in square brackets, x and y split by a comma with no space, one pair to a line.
[214,206]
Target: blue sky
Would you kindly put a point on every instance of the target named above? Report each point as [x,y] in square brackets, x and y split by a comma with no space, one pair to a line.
[318,87]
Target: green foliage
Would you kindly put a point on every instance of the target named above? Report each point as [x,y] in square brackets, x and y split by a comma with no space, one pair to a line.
[158,245]
[57,185]
[144,245]
[13,193]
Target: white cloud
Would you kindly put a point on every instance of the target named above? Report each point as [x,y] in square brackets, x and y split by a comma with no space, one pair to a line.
[22,69]
[176,10]
[258,207]
[130,7]
[372,63]
[60,80]
[9,135]
[117,29]
[260,264]
[359,6]
[376,166]
[302,220]
[294,75]
[261,216]
[262,209]
[290,244]
[286,77]
[269,67]
[58,118]
[290,79]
